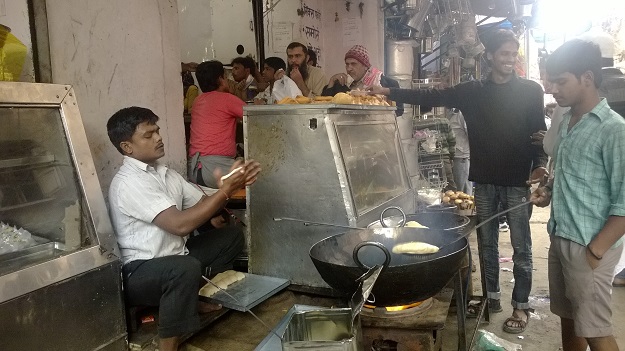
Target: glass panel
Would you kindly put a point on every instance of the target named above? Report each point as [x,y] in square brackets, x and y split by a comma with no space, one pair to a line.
[373,163]
[42,210]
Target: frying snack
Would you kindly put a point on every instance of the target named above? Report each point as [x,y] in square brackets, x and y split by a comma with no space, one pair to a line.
[415,248]
[415,224]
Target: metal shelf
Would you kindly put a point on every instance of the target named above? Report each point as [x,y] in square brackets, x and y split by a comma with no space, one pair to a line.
[26,161]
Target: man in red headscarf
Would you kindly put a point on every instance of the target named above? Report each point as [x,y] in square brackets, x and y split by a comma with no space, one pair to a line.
[360,75]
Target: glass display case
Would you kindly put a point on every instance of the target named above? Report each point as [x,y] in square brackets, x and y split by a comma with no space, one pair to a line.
[54,227]
[373,164]
[324,163]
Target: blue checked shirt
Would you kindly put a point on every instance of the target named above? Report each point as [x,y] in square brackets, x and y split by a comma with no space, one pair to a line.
[589,183]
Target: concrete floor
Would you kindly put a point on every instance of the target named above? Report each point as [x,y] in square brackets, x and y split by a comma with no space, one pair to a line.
[237,331]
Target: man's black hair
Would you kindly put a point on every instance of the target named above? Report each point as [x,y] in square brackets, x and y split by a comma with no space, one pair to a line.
[296,44]
[123,124]
[246,62]
[576,57]
[495,39]
[208,74]
[276,63]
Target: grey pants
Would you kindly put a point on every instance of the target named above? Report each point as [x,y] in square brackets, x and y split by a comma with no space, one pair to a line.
[206,165]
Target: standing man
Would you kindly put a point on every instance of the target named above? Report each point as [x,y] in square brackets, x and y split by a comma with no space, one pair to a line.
[153,210]
[309,79]
[588,200]
[461,160]
[501,113]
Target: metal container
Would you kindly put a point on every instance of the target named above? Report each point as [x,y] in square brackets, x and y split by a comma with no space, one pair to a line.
[339,164]
[400,57]
[329,329]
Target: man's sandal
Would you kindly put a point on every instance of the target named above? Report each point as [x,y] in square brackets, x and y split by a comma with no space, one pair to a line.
[518,324]
[473,309]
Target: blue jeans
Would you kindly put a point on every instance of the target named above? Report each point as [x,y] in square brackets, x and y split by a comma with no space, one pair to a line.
[461,175]
[487,198]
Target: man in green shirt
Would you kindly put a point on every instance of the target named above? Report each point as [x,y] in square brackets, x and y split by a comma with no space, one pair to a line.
[588,200]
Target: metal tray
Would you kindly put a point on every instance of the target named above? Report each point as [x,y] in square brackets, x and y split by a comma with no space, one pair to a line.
[272,342]
[44,250]
[249,292]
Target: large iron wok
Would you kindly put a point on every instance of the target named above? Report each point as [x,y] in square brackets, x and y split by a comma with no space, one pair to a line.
[342,258]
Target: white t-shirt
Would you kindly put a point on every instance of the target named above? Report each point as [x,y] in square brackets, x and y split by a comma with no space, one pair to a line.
[138,193]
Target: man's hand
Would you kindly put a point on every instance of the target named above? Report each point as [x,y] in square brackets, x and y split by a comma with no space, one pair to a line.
[252,168]
[378,90]
[541,197]
[591,259]
[296,75]
[537,138]
[539,175]
[279,74]
[340,78]
[234,181]
[218,221]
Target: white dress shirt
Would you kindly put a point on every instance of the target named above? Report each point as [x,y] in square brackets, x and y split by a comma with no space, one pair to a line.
[138,193]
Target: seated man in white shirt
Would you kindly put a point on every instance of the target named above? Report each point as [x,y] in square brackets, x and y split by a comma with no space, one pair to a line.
[153,210]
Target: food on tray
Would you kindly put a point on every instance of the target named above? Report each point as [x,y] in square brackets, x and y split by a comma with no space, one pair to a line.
[415,248]
[303,99]
[222,280]
[324,98]
[13,239]
[287,100]
[414,224]
[343,98]
[460,199]
[350,98]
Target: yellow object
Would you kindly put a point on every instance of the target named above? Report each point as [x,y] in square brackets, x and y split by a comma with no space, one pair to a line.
[415,224]
[12,56]
[192,93]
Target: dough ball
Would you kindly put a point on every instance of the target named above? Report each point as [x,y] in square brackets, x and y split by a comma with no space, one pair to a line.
[240,276]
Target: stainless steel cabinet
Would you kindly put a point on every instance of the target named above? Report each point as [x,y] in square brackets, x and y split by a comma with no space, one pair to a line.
[54,225]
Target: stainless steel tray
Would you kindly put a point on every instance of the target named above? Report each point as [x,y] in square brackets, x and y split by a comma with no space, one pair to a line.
[276,107]
[249,292]
[44,250]
[272,342]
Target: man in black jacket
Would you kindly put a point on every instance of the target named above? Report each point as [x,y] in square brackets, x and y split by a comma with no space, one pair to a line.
[360,75]
[501,113]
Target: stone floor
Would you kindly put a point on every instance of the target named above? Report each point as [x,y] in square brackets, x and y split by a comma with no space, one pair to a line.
[237,331]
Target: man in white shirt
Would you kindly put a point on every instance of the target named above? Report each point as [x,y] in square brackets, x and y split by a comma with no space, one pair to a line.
[153,210]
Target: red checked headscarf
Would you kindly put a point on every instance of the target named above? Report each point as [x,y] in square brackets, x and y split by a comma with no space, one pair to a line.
[360,54]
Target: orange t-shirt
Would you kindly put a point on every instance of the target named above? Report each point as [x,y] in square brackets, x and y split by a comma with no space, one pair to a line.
[213,124]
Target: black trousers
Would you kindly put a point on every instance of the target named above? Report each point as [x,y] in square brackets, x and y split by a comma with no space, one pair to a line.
[173,282]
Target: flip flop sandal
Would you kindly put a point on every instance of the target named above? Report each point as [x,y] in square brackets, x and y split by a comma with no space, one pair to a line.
[520,327]
[474,309]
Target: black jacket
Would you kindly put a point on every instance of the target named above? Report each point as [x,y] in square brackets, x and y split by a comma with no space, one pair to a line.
[385,82]
[500,120]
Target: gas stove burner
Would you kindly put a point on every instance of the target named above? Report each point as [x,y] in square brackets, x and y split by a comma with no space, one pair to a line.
[397,311]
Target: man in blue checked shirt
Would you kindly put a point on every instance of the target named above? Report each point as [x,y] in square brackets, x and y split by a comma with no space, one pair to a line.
[587,200]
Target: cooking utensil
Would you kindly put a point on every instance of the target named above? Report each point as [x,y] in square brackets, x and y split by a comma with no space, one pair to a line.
[406,279]
[309,223]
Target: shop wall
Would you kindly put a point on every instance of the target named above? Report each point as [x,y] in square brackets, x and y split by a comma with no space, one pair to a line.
[212,29]
[327,26]
[14,14]
[347,28]
[116,54]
